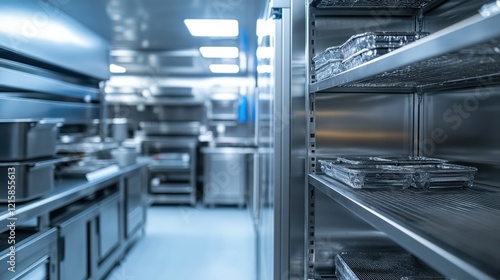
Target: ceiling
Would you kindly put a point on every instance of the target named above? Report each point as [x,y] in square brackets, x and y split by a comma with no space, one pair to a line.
[148,37]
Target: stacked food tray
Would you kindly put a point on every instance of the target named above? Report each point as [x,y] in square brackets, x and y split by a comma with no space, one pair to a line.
[382,265]
[398,172]
[360,49]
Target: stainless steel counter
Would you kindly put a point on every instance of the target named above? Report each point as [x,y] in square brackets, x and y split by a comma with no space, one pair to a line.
[66,191]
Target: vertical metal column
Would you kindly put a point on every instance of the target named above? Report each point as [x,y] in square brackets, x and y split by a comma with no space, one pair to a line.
[309,252]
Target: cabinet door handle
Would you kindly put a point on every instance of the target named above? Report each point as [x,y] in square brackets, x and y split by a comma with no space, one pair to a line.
[62,247]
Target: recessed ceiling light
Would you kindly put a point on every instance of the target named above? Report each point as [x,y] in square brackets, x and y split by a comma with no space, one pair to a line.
[224,68]
[220,52]
[212,27]
[113,68]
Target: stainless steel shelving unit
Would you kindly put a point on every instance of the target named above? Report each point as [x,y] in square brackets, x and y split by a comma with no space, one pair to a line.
[453,231]
[428,224]
[438,59]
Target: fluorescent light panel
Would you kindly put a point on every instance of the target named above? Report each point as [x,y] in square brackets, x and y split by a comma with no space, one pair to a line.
[212,27]
[224,68]
[113,68]
[219,52]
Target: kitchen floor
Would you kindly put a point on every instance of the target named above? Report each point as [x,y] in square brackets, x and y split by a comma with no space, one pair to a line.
[184,242]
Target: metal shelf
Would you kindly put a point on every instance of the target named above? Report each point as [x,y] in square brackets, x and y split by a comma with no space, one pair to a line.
[173,199]
[72,112]
[462,52]
[452,230]
[172,188]
[134,99]
[15,75]
[412,4]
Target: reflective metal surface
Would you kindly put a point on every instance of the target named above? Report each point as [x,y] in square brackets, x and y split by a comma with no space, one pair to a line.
[159,112]
[40,30]
[28,139]
[265,165]
[15,75]
[458,126]
[225,173]
[337,229]
[364,124]
[155,29]
[280,134]
[23,108]
[170,128]
[298,149]
[35,252]
[450,12]
[437,227]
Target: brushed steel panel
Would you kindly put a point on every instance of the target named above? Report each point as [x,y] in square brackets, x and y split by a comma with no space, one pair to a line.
[337,229]
[451,12]
[462,126]
[158,113]
[24,108]
[40,30]
[298,149]
[364,124]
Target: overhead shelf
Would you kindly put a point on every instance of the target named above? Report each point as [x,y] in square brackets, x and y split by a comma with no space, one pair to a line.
[134,100]
[468,51]
[15,75]
[452,230]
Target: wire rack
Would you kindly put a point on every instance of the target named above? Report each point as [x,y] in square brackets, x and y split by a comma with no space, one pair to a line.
[382,266]
[415,4]
[464,222]
[466,64]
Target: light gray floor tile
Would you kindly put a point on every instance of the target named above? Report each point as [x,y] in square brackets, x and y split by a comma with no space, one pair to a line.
[192,243]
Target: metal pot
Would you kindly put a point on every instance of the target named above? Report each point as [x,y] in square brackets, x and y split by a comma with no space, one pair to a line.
[28,180]
[26,139]
[124,156]
[119,129]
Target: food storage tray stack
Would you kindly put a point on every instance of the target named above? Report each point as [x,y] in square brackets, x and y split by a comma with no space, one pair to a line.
[359,49]
[398,172]
[361,176]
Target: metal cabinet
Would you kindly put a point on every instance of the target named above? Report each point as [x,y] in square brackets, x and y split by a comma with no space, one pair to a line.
[134,188]
[89,237]
[74,242]
[35,255]
[225,175]
[108,226]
